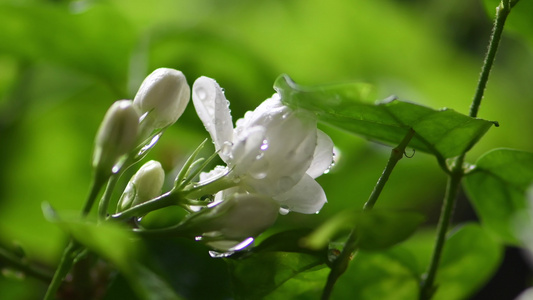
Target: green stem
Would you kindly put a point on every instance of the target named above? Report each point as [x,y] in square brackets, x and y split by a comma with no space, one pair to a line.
[67,260]
[72,248]
[452,189]
[167,199]
[341,263]
[96,186]
[18,263]
[395,156]
[502,11]
[104,203]
[428,288]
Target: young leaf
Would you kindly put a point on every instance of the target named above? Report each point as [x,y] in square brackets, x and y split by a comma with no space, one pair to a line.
[497,189]
[469,258]
[443,133]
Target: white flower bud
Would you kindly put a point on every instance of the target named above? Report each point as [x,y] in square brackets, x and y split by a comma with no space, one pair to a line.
[163,96]
[116,136]
[145,185]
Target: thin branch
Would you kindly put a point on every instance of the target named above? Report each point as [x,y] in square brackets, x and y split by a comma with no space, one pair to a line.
[341,263]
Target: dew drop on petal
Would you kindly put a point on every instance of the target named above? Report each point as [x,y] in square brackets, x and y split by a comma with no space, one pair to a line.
[264,145]
[216,254]
[335,157]
[283,210]
[225,149]
[259,169]
[247,242]
[202,94]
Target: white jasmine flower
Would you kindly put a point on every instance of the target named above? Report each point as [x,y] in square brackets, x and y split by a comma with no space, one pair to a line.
[274,150]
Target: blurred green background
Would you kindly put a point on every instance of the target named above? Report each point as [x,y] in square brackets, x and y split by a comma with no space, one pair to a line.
[62,63]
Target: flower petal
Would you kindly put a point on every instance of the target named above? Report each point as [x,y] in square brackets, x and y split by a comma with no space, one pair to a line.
[247,150]
[213,109]
[306,197]
[323,156]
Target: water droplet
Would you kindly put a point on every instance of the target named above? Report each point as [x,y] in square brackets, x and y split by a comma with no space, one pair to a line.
[260,156]
[259,169]
[202,94]
[264,145]
[216,254]
[225,149]
[335,157]
[198,238]
[283,210]
[143,117]
[115,169]
[247,242]
[151,144]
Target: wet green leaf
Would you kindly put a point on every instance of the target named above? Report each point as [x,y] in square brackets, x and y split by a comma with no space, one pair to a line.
[443,133]
[303,286]
[497,189]
[469,259]
[258,275]
[386,275]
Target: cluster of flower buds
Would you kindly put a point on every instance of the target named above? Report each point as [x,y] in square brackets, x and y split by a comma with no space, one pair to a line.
[272,157]
[127,125]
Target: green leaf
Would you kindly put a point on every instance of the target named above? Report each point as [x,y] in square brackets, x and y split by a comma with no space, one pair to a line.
[470,257]
[386,275]
[519,20]
[118,245]
[303,286]
[376,229]
[443,133]
[258,275]
[150,286]
[497,189]
[290,241]
[110,240]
